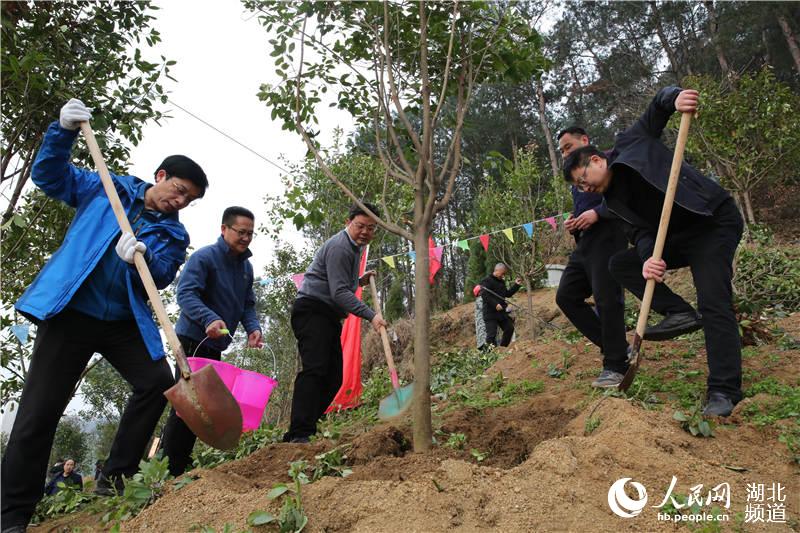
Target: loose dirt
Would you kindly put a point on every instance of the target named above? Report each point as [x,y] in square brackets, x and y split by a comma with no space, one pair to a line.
[549,459]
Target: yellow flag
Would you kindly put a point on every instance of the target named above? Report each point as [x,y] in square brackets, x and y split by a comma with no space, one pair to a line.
[509,234]
[389,260]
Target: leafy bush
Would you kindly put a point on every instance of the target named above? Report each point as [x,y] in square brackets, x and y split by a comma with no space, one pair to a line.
[767,277]
[65,501]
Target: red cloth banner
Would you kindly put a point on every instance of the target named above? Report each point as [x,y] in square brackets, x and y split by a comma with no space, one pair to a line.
[349,394]
[434,258]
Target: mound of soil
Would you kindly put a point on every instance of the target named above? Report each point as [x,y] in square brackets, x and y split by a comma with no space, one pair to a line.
[547,461]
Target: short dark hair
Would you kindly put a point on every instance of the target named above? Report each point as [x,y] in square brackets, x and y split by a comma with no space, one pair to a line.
[183,167]
[355,210]
[572,130]
[230,214]
[580,158]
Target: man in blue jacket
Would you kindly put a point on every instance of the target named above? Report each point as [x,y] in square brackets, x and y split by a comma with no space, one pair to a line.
[598,236]
[215,293]
[88,298]
[704,231]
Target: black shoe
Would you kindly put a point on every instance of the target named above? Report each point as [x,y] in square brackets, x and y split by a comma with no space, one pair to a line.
[107,487]
[300,440]
[673,325]
[19,528]
[718,405]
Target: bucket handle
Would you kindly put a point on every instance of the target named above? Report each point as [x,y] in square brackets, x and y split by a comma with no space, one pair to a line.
[274,374]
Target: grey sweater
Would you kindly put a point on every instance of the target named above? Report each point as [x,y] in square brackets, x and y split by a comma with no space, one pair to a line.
[332,277]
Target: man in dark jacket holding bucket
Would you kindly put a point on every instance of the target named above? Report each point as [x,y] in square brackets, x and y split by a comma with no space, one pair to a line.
[495,306]
[89,298]
[215,294]
[704,231]
[325,297]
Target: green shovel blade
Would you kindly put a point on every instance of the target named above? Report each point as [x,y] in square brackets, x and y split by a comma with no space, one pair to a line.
[396,403]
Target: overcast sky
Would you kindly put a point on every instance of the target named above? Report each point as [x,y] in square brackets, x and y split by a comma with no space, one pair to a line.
[222,58]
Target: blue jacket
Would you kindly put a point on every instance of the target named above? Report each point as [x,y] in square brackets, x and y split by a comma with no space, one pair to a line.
[91,232]
[216,284]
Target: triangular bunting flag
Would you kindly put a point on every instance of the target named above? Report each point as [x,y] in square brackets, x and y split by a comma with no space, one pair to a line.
[463,245]
[413,255]
[552,222]
[485,242]
[509,234]
[20,331]
[566,216]
[298,280]
[528,228]
[266,281]
[389,260]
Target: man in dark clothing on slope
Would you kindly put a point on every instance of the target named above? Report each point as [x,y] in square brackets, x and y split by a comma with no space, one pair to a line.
[598,235]
[325,298]
[495,306]
[704,231]
[215,293]
[67,476]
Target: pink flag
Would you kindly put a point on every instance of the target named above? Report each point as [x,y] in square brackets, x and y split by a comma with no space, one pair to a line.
[552,222]
[485,242]
[298,280]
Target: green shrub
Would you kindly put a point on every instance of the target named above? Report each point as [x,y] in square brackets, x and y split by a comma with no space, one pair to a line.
[767,277]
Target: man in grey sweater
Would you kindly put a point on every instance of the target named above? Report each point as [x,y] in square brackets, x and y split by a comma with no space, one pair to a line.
[327,296]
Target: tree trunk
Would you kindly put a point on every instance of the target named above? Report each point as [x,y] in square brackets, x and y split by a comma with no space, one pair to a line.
[713,30]
[551,150]
[422,349]
[529,297]
[791,39]
[673,59]
[751,219]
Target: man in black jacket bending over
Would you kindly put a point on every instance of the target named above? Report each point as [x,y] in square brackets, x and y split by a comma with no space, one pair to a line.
[495,306]
[704,231]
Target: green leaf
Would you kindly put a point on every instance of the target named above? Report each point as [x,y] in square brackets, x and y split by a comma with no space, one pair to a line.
[277,491]
[259,518]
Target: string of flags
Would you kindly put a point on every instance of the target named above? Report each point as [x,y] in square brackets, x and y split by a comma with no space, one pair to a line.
[436,252]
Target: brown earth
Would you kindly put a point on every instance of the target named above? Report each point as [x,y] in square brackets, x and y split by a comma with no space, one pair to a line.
[542,470]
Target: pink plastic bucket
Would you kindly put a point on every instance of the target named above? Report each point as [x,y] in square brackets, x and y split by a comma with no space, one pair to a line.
[250,389]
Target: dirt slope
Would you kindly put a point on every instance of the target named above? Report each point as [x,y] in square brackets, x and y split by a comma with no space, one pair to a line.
[542,471]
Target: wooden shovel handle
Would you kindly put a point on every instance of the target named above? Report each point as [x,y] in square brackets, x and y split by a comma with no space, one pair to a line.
[666,212]
[387,348]
[138,258]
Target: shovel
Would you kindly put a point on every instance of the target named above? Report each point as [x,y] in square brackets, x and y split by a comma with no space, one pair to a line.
[400,400]
[661,236]
[201,398]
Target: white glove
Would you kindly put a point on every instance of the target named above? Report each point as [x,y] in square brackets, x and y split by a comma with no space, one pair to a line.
[127,246]
[72,113]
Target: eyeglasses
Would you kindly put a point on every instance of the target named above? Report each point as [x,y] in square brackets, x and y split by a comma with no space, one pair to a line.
[580,181]
[369,228]
[182,191]
[243,233]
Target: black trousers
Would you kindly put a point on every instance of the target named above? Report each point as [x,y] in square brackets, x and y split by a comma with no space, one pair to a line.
[318,331]
[505,322]
[64,344]
[587,275]
[178,440]
[708,250]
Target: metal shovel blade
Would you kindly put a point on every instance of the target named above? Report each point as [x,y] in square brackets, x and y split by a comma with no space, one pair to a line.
[636,358]
[208,408]
[396,403]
